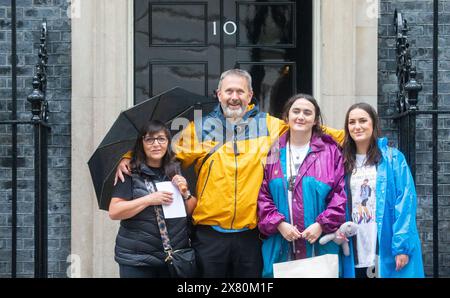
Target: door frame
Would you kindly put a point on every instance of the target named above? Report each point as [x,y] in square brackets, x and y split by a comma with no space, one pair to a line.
[130,57]
[316,18]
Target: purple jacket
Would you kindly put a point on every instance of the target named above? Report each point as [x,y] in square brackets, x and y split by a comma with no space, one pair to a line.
[319,194]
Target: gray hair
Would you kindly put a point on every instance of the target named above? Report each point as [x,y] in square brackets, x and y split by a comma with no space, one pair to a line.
[237,72]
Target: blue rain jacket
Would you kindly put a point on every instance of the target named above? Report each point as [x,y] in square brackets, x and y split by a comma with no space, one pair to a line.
[396,204]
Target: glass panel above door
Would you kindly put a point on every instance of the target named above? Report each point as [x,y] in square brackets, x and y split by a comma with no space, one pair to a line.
[263,24]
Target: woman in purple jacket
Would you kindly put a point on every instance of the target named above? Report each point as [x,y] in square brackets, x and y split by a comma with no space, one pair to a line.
[302,195]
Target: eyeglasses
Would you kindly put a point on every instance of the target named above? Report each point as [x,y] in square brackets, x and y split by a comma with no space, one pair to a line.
[151,141]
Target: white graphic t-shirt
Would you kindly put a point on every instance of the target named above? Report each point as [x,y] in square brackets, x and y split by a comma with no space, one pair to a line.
[362,184]
[293,164]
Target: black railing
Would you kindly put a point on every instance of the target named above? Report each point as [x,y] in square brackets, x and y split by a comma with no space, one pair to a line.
[39,109]
[407,110]
[408,91]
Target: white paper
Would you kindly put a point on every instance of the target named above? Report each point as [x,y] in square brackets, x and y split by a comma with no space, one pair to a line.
[324,266]
[176,209]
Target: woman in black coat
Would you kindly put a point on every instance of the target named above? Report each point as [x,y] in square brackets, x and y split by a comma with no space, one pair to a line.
[139,250]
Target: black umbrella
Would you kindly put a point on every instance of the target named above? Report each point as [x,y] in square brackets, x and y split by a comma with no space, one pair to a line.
[165,107]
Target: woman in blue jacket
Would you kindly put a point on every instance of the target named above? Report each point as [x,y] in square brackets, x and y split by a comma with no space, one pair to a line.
[387,243]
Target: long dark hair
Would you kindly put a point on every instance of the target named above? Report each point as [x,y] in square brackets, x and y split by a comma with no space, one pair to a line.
[349,152]
[316,129]
[169,165]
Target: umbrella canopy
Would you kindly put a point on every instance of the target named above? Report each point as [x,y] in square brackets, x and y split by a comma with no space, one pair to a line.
[120,139]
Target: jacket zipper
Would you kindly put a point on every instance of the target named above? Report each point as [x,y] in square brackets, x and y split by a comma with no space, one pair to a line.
[236,153]
[207,177]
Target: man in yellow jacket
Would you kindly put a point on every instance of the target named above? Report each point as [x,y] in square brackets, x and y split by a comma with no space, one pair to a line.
[228,148]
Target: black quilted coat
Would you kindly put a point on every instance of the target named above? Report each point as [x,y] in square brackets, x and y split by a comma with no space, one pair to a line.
[138,242]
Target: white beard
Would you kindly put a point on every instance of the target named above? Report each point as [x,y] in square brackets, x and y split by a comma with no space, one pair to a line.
[231,113]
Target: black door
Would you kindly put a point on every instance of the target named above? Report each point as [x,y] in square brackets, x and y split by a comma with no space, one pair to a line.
[189,44]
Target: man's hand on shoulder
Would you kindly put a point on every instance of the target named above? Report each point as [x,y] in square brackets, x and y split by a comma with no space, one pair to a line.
[122,168]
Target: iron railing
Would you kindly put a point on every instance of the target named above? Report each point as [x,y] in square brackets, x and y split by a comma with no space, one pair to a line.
[407,111]
[39,121]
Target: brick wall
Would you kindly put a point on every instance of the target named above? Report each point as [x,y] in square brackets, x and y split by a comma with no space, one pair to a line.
[419,15]
[29,18]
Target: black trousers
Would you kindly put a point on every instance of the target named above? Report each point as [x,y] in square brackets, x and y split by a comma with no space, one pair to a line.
[227,255]
[143,271]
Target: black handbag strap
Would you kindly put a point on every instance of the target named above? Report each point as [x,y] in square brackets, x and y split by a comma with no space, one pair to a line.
[151,187]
